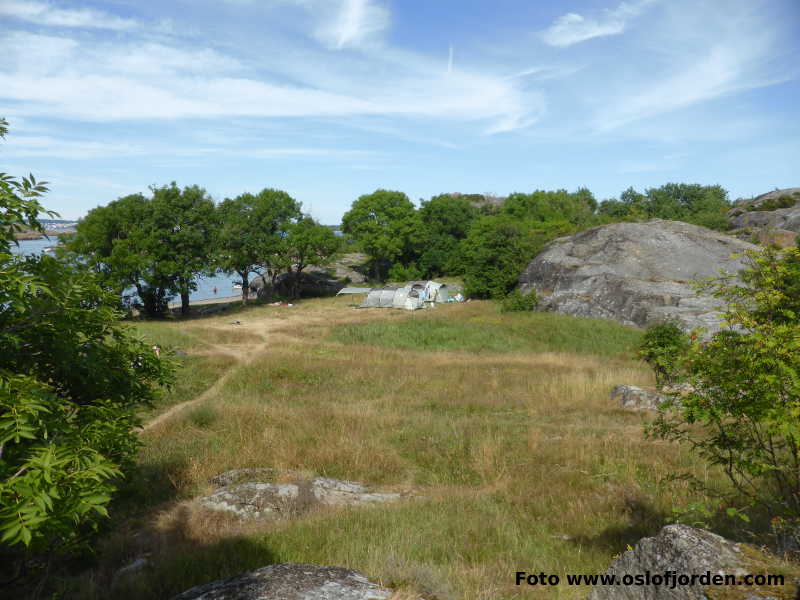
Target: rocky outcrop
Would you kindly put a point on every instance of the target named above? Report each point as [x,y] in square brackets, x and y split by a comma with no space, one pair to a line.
[290,581]
[313,284]
[262,500]
[350,267]
[771,218]
[684,551]
[636,398]
[634,273]
[235,476]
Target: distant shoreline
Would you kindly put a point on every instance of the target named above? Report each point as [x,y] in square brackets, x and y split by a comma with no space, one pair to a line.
[220,300]
[35,235]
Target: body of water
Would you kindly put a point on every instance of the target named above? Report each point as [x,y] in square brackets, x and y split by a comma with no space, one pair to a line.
[222,283]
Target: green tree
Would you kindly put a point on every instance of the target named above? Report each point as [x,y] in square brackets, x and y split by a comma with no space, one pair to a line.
[705,205]
[386,225]
[446,219]
[159,245]
[181,237]
[118,242]
[107,242]
[252,232]
[493,255]
[577,208]
[309,243]
[746,384]
[663,345]
[71,381]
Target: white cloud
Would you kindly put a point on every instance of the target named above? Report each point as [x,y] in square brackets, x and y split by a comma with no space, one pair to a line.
[733,54]
[105,81]
[45,13]
[572,28]
[352,23]
[23,146]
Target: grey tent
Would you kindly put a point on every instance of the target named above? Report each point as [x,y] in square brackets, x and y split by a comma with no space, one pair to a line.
[410,297]
[381,298]
[353,290]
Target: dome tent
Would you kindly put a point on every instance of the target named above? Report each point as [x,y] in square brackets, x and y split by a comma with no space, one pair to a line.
[412,296]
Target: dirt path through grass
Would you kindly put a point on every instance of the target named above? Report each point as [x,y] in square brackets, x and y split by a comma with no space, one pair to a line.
[266,328]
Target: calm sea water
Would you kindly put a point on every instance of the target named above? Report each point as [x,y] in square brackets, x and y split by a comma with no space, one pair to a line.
[205,285]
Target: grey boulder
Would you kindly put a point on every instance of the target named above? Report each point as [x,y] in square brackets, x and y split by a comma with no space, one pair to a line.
[634,273]
[260,500]
[290,581]
[636,398]
[685,551]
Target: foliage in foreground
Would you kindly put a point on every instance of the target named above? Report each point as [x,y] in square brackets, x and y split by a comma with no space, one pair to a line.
[746,382]
[71,379]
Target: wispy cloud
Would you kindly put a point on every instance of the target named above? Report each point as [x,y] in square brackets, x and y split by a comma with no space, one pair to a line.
[26,146]
[46,13]
[98,80]
[350,23]
[735,53]
[572,28]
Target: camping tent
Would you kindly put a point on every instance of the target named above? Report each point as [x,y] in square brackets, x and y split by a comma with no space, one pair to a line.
[410,297]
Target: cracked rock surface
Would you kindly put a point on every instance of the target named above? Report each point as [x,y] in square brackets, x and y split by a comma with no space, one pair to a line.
[634,273]
[260,500]
[290,581]
[685,550]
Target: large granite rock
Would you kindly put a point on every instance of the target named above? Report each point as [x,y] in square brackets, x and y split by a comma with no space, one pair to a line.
[263,500]
[688,551]
[634,273]
[290,581]
[777,211]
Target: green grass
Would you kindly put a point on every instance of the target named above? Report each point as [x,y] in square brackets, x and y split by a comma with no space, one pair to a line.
[166,334]
[530,332]
[499,426]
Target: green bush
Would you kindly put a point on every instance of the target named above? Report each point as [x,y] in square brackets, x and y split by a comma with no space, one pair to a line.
[782,201]
[663,346]
[743,413]
[516,301]
[72,380]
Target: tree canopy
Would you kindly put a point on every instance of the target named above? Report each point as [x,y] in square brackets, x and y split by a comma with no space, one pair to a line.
[385,224]
[251,234]
[705,205]
[157,245]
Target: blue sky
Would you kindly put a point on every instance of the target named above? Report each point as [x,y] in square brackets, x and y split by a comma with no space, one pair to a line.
[331,99]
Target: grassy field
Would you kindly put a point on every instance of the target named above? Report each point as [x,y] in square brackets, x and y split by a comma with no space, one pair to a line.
[498,425]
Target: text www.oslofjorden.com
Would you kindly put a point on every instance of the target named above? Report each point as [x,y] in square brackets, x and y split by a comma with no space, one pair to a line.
[667,579]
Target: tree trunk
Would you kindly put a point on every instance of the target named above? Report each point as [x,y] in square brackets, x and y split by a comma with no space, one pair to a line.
[245,286]
[184,302]
[184,288]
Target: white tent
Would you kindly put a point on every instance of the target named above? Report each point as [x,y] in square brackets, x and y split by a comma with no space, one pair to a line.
[410,297]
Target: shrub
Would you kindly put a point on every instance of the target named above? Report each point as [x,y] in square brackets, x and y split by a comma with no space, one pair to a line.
[663,346]
[782,201]
[516,301]
[746,385]
[72,380]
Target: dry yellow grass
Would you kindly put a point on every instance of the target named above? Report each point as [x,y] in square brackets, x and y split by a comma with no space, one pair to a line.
[517,459]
